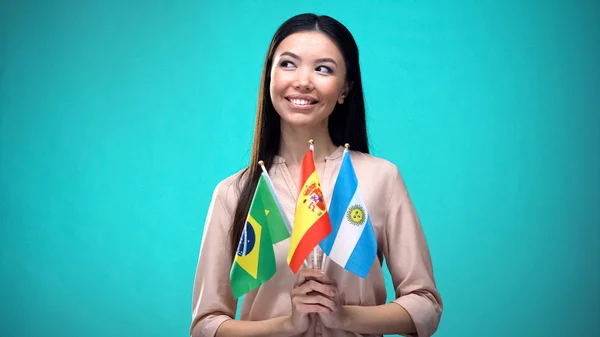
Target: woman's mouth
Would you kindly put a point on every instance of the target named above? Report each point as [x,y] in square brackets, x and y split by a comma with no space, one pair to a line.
[301,103]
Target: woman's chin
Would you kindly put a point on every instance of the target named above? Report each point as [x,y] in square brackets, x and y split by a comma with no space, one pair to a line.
[298,120]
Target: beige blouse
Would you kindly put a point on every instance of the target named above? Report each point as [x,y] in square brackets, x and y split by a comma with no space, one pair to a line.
[400,240]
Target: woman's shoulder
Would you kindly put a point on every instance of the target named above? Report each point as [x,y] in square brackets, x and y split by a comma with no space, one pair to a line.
[228,189]
[378,174]
[374,166]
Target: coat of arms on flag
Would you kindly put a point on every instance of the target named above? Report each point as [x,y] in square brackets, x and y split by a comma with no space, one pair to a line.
[311,221]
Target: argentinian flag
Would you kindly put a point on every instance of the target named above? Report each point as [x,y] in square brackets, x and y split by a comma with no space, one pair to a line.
[352,242]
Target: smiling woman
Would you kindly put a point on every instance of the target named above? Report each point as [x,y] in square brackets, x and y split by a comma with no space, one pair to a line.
[311,88]
[308,79]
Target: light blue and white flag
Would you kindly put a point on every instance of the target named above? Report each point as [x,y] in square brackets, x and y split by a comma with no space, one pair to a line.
[352,242]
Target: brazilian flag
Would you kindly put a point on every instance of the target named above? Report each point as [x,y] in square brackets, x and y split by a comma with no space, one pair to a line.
[254,262]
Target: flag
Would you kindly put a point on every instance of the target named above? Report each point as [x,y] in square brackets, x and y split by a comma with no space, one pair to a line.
[352,242]
[311,221]
[254,262]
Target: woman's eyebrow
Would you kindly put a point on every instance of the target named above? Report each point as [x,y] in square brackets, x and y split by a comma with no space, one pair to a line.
[290,54]
[321,60]
[326,59]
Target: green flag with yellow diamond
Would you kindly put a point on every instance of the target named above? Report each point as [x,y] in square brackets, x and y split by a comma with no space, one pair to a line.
[254,262]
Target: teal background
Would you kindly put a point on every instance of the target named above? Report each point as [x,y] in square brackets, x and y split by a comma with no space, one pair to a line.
[118,118]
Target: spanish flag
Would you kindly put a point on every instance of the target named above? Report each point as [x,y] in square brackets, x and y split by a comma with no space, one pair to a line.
[311,221]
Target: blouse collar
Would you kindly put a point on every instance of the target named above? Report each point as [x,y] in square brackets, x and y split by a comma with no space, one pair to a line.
[339,151]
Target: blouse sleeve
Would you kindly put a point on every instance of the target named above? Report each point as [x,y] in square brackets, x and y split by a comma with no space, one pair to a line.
[213,301]
[409,261]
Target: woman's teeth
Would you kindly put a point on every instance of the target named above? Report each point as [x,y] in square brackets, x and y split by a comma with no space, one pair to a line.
[300,101]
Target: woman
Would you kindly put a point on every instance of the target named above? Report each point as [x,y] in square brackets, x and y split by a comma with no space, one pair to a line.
[311,89]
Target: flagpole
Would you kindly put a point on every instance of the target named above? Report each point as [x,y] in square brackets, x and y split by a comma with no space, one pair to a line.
[347,148]
[312,150]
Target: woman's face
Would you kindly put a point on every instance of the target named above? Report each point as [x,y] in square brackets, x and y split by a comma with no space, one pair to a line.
[308,78]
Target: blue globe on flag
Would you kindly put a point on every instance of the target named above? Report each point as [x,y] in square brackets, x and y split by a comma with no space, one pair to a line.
[247,241]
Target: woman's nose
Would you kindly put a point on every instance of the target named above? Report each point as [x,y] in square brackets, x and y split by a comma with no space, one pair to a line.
[303,80]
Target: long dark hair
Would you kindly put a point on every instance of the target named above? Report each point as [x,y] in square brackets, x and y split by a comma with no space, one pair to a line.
[347,122]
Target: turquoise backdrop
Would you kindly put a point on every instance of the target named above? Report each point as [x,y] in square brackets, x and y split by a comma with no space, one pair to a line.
[118,118]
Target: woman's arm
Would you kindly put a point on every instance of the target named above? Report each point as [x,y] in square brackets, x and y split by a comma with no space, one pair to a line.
[212,299]
[276,327]
[408,259]
[388,318]
[417,308]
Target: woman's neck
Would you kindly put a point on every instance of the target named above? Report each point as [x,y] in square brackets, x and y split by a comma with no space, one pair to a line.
[294,143]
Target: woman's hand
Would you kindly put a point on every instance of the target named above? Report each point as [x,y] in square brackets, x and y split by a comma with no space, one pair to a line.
[310,295]
[336,318]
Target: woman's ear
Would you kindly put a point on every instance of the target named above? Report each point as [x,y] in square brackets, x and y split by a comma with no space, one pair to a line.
[344,93]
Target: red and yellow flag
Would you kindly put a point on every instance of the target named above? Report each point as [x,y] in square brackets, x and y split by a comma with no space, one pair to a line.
[311,221]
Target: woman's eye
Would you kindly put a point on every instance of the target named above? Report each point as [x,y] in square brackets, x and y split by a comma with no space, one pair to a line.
[324,69]
[286,64]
